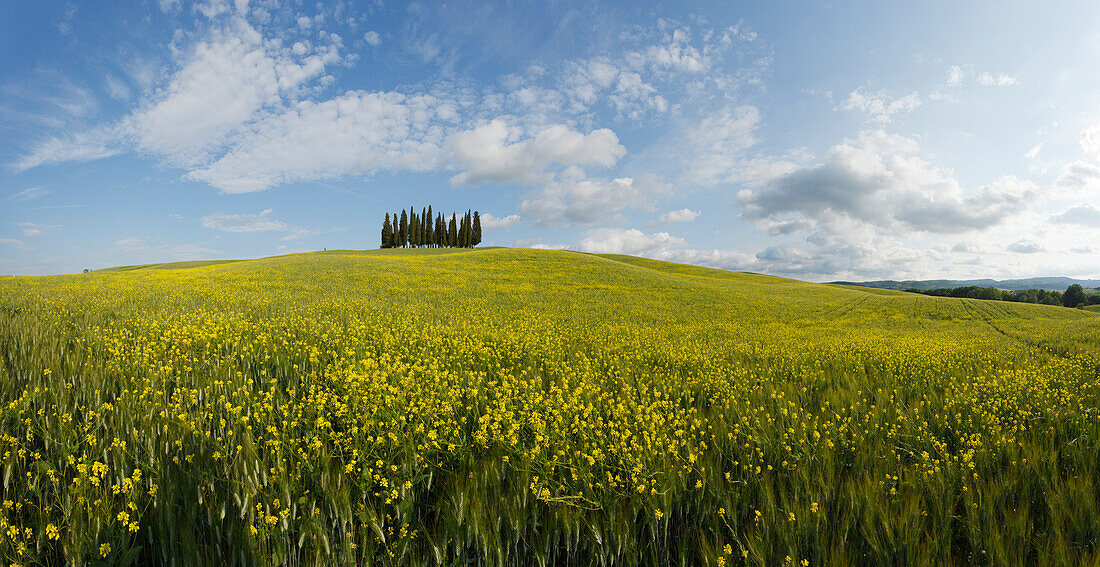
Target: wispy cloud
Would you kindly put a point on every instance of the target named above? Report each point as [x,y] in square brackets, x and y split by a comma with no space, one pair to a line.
[32,229]
[263,221]
[28,194]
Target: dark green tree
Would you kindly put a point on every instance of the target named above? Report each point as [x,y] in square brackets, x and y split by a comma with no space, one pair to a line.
[468,234]
[452,231]
[387,233]
[429,230]
[1074,296]
[403,233]
[477,229]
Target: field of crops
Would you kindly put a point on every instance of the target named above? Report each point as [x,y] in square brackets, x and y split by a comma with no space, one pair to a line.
[523,407]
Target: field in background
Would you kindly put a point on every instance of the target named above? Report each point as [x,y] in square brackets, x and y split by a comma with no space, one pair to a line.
[536,407]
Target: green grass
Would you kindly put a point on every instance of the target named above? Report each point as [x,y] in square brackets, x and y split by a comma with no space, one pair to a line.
[525,407]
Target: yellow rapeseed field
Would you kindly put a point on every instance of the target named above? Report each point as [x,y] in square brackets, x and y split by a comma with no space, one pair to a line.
[523,407]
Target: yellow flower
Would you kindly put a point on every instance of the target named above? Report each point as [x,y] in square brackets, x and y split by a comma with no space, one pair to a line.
[104,549]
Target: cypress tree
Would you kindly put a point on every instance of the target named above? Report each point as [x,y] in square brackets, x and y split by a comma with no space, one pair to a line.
[467,232]
[428,229]
[403,236]
[387,233]
[462,232]
[477,229]
[452,231]
[440,231]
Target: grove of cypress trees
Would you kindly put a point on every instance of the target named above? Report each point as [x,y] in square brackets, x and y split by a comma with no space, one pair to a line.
[431,229]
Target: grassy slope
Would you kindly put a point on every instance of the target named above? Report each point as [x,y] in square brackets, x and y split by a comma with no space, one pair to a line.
[718,344]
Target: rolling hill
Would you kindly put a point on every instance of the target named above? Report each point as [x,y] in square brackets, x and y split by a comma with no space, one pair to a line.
[522,407]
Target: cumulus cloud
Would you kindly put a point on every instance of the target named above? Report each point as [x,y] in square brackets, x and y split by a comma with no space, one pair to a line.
[1025,246]
[1077,176]
[955,75]
[879,180]
[577,200]
[495,153]
[879,106]
[627,241]
[358,132]
[492,221]
[998,80]
[240,108]
[222,85]
[1090,141]
[1083,214]
[682,215]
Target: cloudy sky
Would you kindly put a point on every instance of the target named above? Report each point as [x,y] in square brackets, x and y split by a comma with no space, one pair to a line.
[817,140]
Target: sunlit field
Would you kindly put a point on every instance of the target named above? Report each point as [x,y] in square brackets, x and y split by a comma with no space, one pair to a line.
[523,407]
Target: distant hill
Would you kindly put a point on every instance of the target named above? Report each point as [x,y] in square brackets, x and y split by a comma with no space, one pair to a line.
[1051,284]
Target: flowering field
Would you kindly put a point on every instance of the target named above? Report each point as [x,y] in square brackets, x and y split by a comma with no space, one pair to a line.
[521,407]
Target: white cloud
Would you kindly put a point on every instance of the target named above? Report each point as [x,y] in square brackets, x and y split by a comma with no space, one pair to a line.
[82,146]
[718,142]
[880,107]
[372,38]
[1025,246]
[1083,214]
[999,80]
[261,222]
[492,221]
[1076,177]
[576,200]
[28,194]
[493,152]
[878,180]
[682,215]
[117,89]
[355,133]
[235,110]
[14,243]
[32,229]
[1034,152]
[674,53]
[1090,141]
[222,85]
[955,75]
[627,241]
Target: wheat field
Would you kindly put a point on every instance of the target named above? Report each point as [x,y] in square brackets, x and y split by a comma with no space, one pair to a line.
[527,407]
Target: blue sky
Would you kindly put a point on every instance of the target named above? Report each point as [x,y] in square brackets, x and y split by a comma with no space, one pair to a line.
[817,140]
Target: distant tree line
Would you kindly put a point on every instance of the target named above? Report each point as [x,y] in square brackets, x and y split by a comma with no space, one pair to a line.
[1074,296]
[432,231]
